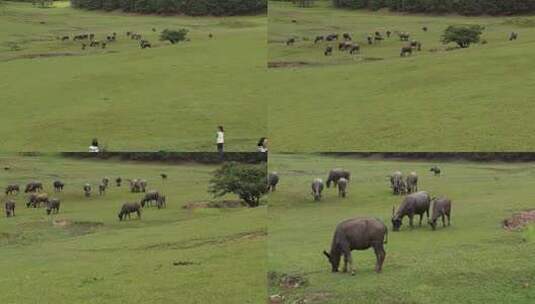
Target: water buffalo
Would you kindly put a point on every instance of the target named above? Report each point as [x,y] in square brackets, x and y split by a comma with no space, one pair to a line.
[33,187]
[317,188]
[151,196]
[318,39]
[513,36]
[58,186]
[145,44]
[9,207]
[137,185]
[35,200]
[403,36]
[273,180]
[370,39]
[161,202]
[441,208]
[87,190]
[344,45]
[328,51]
[101,189]
[412,182]
[355,49]
[342,187]
[290,41]
[94,43]
[106,181]
[357,234]
[53,206]
[435,170]
[12,188]
[331,37]
[397,183]
[416,203]
[118,181]
[337,174]
[416,45]
[346,36]
[406,51]
[129,208]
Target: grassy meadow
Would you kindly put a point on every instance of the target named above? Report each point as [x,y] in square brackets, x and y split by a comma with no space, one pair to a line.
[473,261]
[57,97]
[85,254]
[476,99]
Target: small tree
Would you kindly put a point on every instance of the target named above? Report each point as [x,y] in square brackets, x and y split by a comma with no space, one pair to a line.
[463,35]
[174,36]
[246,181]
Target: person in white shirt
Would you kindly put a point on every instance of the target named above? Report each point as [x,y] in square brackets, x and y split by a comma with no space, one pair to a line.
[94,146]
[262,145]
[220,139]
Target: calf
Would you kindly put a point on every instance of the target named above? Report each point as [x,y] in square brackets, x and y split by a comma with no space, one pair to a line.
[317,188]
[441,208]
[35,200]
[9,207]
[357,234]
[342,187]
[273,180]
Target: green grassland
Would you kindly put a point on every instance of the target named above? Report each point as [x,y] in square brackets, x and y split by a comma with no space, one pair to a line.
[476,99]
[56,97]
[95,258]
[473,261]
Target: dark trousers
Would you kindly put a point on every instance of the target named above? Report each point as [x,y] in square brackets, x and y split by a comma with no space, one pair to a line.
[220,149]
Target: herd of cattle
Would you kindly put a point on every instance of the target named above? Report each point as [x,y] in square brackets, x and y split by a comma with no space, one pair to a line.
[88,39]
[38,198]
[347,44]
[365,232]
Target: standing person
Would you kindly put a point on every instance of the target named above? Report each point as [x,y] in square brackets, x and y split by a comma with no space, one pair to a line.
[220,139]
[94,146]
[262,145]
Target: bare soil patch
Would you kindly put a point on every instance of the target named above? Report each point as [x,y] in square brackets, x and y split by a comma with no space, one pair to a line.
[519,220]
[287,281]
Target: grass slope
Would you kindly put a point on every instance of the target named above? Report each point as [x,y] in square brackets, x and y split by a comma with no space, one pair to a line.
[478,99]
[56,97]
[101,260]
[472,261]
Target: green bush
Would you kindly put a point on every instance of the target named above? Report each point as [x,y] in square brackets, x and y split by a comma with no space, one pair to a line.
[173,36]
[246,181]
[463,35]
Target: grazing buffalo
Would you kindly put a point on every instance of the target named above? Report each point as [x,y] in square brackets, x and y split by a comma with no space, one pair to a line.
[58,186]
[87,190]
[435,170]
[406,51]
[355,49]
[145,44]
[35,200]
[357,234]
[161,202]
[342,187]
[331,37]
[513,36]
[403,36]
[336,174]
[151,196]
[346,36]
[318,39]
[53,206]
[290,41]
[106,181]
[137,185]
[33,187]
[118,181]
[397,183]
[416,203]
[317,188]
[273,180]
[9,208]
[12,188]
[388,34]
[412,182]
[441,208]
[328,51]
[101,189]
[415,44]
[129,208]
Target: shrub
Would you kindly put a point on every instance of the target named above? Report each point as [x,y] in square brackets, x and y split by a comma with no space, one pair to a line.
[463,35]
[173,36]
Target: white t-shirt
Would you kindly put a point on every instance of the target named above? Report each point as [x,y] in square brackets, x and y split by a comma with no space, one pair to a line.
[94,149]
[220,137]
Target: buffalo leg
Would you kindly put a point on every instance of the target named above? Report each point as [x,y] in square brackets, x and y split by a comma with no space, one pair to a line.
[443,220]
[448,214]
[411,216]
[345,263]
[421,217]
[380,255]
